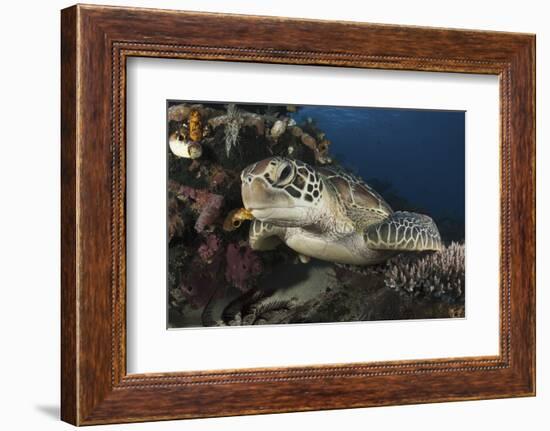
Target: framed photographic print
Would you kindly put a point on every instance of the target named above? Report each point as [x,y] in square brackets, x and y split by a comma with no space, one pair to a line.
[331,222]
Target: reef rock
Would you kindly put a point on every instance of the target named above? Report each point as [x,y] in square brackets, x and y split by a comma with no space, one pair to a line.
[243,265]
[210,212]
[175,219]
[209,249]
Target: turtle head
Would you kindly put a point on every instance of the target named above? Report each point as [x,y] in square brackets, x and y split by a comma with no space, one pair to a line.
[282,191]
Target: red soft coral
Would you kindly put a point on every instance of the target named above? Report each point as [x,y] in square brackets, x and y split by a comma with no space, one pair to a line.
[243,265]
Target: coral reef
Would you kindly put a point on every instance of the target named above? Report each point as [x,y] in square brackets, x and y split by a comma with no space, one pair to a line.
[199,282]
[344,295]
[279,127]
[198,288]
[233,121]
[180,112]
[214,278]
[175,219]
[440,275]
[210,248]
[210,212]
[232,128]
[208,204]
[319,148]
[185,141]
[195,125]
[243,265]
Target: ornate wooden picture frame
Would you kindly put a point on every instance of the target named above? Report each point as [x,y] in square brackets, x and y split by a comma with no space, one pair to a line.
[96,41]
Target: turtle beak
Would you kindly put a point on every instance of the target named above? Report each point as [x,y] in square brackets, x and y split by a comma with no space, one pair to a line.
[254,192]
[258,194]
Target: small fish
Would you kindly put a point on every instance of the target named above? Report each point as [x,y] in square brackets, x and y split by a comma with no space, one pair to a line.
[235,218]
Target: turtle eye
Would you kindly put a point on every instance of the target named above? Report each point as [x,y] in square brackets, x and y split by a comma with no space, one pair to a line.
[286,175]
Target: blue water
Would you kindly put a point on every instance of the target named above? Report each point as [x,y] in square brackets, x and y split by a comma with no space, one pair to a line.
[420,152]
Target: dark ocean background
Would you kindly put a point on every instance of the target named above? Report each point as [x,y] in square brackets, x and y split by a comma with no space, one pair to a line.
[416,155]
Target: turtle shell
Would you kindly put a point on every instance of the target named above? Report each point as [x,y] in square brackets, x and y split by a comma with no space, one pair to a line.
[360,201]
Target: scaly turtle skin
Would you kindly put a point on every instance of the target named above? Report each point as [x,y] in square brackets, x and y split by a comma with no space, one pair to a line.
[328,215]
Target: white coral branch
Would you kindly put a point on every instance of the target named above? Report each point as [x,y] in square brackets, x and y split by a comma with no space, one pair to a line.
[437,274]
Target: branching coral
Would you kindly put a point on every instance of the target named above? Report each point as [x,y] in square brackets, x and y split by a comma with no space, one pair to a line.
[440,275]
[234,120]
[232,128]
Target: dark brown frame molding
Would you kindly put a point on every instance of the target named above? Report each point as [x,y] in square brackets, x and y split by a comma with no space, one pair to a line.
[95,43]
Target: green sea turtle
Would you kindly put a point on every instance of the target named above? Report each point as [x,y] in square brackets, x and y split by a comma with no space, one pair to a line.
[328,215]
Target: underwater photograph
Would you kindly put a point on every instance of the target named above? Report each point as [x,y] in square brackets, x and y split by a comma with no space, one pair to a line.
[296,214]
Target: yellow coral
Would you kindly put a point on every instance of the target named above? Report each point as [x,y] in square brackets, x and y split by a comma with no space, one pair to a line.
[195,126]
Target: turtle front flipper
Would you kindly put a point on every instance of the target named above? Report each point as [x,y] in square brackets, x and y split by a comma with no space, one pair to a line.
[404,231]
[264,236]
